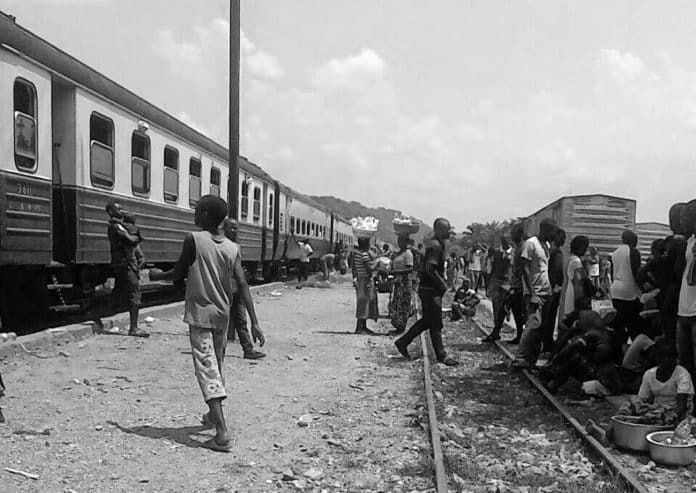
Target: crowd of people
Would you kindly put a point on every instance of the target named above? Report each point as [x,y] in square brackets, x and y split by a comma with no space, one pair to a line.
[613,323]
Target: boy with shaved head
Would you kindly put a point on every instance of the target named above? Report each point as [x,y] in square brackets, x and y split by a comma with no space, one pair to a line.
[432,287]
[211,264]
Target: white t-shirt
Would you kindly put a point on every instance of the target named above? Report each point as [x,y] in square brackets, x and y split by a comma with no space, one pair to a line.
[665,393]
[624,287]
[687,295]
[538,257]
[569,302]
[305,252]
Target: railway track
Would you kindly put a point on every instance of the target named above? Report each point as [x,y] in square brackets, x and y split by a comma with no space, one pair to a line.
[610,459]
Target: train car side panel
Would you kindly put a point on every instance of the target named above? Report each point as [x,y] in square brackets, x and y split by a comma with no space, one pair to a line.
[25,162]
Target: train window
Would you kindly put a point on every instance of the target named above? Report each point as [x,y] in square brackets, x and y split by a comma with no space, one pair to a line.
[140,163]
[256,216]
[215,181]
[304,227]
[101,143]
[25,110]
[270,210]
[195,174]
[171,174]
[298,230]
[244,209]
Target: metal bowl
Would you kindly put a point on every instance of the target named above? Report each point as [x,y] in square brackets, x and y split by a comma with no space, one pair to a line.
[631,436]
[669,455]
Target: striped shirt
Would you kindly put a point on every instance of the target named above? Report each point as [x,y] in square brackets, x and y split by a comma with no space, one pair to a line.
[361,265]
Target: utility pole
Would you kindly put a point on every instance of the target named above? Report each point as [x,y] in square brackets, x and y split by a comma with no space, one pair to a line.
[233,146]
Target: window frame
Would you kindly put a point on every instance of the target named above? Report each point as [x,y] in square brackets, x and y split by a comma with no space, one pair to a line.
[271,208]
[214,169]
[193,159]
[244,201]
[175,170]
[256,219]
[104,146]
[35,119]
[138,133]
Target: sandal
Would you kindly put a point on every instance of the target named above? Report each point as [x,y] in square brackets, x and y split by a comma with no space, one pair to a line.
[217,447]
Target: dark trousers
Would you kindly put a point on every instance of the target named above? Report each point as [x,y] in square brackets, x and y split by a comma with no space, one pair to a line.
[238,324]
[628,321]
[431,320]
[498,297]
[532,337]
[519,311]
[303,271]
[549,323]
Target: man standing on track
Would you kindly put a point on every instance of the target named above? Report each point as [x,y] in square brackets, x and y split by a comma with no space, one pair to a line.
[501,270]
[125,265]
[238,316]
[432,287]
[516,297]
[537,291]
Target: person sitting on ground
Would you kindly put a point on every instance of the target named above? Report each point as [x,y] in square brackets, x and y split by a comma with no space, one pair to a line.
[213,269]
[640,356]
[668,384]
[585,355]
[238,318]
[464,303]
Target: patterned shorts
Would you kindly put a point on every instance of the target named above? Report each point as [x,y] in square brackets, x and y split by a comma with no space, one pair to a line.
[208,349]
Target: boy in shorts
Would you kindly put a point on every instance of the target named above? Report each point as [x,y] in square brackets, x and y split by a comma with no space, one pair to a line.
[214,273]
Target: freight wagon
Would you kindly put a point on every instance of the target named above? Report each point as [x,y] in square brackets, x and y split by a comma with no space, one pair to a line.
[602,218]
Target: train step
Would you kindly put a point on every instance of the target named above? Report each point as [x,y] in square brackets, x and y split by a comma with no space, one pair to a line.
[56,286]
[65,308]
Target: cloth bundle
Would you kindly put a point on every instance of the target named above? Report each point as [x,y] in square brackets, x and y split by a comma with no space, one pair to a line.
[644,413]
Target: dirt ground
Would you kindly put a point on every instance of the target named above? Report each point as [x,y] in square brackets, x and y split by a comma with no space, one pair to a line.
[499,435]
[113,413]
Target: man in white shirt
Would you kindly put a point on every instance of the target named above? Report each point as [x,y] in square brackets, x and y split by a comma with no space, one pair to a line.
[537,292]
[306,252]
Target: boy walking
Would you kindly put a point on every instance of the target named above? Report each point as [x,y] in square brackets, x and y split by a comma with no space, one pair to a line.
[214,273]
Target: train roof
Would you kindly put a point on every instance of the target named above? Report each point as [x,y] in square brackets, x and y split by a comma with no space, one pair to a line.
[19,39]
[26,43]
[579,197]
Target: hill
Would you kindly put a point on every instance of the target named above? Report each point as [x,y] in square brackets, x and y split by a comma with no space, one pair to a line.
[385,216]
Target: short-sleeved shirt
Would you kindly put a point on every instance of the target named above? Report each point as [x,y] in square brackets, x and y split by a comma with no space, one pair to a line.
[306,251]
[361,264]
[665,393]
[634,359]
[435,255]
[538,257]
[687,294]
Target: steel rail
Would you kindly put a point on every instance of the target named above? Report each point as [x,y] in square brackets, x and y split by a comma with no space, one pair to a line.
[438,459]
[627,476]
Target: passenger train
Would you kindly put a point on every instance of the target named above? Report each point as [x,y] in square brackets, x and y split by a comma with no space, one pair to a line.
[71,140]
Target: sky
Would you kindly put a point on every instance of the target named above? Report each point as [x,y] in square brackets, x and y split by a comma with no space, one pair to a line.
[470,109]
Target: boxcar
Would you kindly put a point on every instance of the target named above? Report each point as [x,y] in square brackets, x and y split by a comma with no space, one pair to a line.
[602,218]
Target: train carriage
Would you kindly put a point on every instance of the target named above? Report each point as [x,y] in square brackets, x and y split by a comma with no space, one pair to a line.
[72,140]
